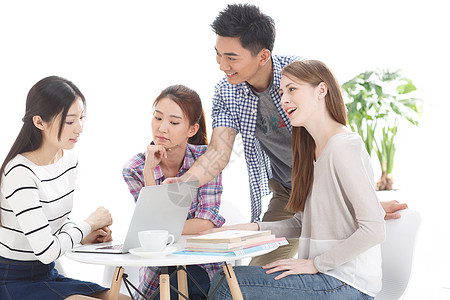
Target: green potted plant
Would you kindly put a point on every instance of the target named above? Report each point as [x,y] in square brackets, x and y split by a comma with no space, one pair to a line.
[377,102]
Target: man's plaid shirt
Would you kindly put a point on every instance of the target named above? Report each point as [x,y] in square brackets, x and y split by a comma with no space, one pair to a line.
[236,106]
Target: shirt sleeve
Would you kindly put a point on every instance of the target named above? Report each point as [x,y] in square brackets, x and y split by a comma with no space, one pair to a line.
[221,115]
[208,202]
[21,192]
[289,228]
[354,174]
[133,176]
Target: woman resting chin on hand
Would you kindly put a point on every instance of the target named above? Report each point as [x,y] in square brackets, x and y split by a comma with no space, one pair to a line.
[179,139]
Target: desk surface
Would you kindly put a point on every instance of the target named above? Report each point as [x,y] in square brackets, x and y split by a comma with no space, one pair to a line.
[129,259]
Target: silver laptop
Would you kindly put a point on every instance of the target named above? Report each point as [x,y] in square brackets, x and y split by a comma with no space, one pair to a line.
[163,207]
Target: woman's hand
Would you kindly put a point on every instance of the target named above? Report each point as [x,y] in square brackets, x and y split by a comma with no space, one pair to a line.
[98,236]
[99,219]
[245,226]
[154,155]
[391,208]
[291,266]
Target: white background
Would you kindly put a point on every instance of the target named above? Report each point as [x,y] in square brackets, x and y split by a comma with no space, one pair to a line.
[121,54]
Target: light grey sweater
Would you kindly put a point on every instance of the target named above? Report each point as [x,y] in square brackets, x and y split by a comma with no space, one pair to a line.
[342,225]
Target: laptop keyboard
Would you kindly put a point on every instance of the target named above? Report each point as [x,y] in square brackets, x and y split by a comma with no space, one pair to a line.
[112,247]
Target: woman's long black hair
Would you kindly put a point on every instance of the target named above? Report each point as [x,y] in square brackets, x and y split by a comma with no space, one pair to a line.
[49,97]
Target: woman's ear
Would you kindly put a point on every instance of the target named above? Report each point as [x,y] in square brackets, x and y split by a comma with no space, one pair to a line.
[38,122]
[322,89]
[193,130]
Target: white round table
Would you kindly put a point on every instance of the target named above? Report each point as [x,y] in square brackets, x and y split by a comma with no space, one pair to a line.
[128,259]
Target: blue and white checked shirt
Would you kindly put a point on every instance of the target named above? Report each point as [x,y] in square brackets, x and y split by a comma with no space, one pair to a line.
[236,106]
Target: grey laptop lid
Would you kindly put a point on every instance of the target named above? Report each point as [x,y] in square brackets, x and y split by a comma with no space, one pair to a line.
[163,207]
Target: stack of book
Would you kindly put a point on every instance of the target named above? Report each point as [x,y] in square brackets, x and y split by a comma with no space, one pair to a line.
[231,243]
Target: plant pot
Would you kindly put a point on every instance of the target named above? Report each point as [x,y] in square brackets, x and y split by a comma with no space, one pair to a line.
[385,183]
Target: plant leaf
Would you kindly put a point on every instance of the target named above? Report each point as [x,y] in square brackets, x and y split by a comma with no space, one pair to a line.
[408,87]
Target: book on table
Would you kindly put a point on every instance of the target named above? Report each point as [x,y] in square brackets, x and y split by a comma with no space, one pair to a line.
[227,236]
[231,242]
[231,246]
[271,244]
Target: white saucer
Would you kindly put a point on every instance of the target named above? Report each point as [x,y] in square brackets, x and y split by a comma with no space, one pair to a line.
[149,254]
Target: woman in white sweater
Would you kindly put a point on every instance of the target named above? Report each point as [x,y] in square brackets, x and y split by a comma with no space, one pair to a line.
[338,219]
[37,185]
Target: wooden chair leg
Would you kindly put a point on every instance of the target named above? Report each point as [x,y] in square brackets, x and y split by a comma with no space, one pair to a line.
[232,282]
[182,283]
[115,284]
[164,286]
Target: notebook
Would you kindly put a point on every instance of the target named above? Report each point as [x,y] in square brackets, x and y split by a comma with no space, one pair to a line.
[228,236]
[163,207]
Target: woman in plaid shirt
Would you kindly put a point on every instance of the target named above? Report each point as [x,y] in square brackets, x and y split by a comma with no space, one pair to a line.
[179,138]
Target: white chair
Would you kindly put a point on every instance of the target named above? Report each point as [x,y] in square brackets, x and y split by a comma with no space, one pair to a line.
[397,252]
[231,213]
[60,268]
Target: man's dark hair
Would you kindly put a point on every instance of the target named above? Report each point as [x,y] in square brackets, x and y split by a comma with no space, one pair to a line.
[255,30]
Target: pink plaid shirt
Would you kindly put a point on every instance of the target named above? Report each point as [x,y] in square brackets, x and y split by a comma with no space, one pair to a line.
[205,206]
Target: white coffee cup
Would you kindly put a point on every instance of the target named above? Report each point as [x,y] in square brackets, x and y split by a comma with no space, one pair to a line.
[155,240]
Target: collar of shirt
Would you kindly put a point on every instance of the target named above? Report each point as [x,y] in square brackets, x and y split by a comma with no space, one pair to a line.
[274,84]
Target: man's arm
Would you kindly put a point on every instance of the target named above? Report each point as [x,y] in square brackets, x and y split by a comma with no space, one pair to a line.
[214,160]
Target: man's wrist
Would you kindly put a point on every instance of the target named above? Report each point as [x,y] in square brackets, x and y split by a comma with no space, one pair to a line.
[187,177]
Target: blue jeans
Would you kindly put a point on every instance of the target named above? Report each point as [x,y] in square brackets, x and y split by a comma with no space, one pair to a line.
[256,284]
[34,280]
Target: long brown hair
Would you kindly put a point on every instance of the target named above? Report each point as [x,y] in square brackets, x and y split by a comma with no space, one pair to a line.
[191,105]
[303,146]
[47,98]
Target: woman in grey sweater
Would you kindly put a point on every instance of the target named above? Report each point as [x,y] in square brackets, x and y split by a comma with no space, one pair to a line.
[338,219]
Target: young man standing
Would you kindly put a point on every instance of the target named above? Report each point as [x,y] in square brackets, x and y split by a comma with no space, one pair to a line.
[247,101]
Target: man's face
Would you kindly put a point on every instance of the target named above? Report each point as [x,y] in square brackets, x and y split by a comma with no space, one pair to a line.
[237,62]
